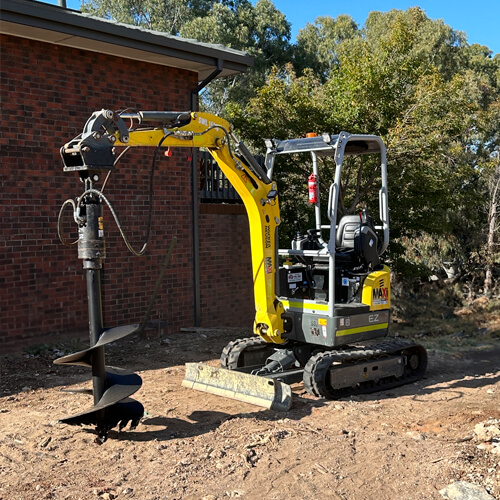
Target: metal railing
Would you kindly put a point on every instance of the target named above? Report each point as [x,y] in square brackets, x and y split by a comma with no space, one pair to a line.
[214,185]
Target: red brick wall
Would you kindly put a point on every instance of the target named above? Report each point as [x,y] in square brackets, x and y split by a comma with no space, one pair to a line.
[226,269]
[47,94]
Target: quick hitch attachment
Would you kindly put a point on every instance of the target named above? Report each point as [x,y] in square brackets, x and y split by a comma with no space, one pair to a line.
[111,386]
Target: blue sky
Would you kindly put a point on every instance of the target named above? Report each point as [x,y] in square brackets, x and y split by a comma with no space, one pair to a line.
[481,21]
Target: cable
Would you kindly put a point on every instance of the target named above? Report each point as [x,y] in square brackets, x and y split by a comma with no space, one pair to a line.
[114,165]
[118,223]
[64,241]
[115,216]
[76,207]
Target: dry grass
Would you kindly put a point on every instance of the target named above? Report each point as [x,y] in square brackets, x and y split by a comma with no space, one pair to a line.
[437,315]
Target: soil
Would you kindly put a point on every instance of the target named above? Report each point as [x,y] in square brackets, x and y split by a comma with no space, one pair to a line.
[408,442]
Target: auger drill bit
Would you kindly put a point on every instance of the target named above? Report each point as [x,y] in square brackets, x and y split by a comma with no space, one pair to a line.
[112,387]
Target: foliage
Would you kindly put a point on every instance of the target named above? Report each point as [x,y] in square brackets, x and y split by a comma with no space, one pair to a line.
[166,16]
[261,30]
[418,84]
[318,43]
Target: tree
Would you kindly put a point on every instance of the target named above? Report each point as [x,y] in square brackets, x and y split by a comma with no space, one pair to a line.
[261,30]
[416,83]
[166,16]
[317,44]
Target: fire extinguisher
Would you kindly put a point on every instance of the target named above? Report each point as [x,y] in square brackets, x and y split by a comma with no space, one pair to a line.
[313,189]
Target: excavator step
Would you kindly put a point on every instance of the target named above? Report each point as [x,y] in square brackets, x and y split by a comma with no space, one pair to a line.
[260,391]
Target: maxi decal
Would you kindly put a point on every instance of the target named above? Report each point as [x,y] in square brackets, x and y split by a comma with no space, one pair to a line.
[380,296]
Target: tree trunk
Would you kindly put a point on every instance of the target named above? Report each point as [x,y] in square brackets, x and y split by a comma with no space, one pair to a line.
[492,222]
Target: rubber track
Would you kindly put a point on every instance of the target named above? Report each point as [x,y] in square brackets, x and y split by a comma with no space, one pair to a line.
[232,352]
[316,369]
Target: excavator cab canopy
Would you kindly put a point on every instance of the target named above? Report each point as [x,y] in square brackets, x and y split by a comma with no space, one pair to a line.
[337,146]
[326,145]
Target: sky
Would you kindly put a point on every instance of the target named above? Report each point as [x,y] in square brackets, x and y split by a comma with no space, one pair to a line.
[480,22]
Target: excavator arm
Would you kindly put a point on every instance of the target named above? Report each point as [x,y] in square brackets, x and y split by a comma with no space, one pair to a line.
[95,150]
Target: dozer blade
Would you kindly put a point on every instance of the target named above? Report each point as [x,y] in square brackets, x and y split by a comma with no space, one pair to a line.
[252,389]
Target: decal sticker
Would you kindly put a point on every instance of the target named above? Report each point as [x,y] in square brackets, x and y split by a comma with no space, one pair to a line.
[314,328]
[380,296]
[322,321]
[268,264]
[267,236]
[294,277]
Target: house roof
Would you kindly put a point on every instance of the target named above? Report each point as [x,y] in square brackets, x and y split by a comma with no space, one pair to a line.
[71,28]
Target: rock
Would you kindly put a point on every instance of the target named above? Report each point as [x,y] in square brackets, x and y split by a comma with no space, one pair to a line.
[418,436]
[465,491]
[108,495]
[487,431]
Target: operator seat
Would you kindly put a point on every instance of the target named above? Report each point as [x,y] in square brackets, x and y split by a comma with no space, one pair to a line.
[344,239]
[357,242]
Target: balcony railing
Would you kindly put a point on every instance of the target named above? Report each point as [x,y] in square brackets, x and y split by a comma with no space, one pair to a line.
[214,186]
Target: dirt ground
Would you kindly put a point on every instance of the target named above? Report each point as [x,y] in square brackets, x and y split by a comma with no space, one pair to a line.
[406,443]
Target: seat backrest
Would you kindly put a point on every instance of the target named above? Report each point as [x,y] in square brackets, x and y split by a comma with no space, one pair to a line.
[345,232]
[366,245]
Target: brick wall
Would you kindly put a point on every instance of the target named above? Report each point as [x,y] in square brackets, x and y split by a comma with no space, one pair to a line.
[226,269]
[47,94]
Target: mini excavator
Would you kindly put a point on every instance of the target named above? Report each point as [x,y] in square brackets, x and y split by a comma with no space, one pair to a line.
[321,306]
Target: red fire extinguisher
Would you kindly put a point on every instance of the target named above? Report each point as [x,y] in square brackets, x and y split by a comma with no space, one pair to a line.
[313,189]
